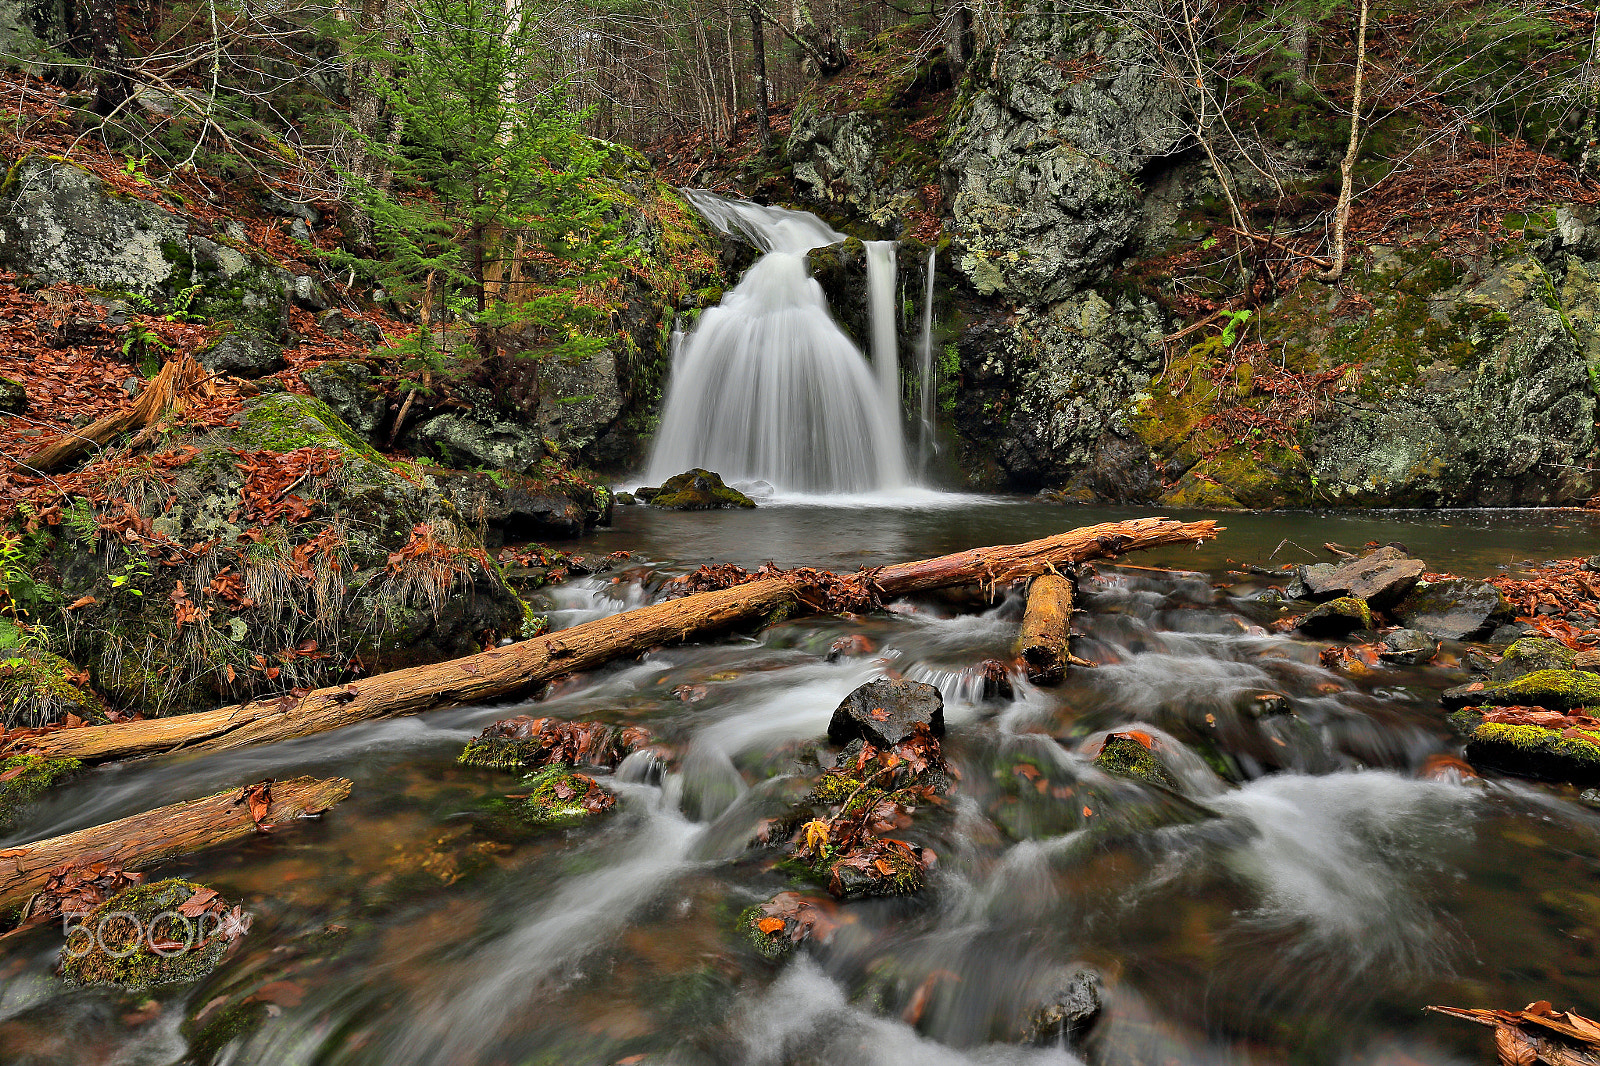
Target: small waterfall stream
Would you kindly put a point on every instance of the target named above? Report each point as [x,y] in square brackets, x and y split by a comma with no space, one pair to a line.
[881,273]
[768,387]
[927,390]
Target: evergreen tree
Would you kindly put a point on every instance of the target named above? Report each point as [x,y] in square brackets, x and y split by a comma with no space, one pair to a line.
[493,215]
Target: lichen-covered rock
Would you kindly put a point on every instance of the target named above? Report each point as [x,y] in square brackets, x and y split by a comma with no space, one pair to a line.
[1570,754]
[1557,690]
[1454,609]
[694,490]
[1126,756]
[25,777]
[479,438]
[886,712]
[245,353]
[280,547]
[1068,1013]
[1529,654]
[1336,618]
[559,796]
[138,939]
[352,390]
[515,507]
[63,224]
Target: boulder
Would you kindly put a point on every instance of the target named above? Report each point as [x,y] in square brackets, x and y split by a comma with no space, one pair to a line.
[886,712]
[1067,1013]
[1381,577]
[13,397]
[1569,754]
[59,223]
[1557,690]
[1530,654]
[1127,756]
[1410,647]
[695,490]
[244,353]
[352,390]
[514,507]
[1336,618]
[1454,609]
[479,438]
[122,951]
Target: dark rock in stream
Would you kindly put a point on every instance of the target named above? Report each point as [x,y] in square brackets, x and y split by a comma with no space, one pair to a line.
[1067,1014]
[560,797]
[1336,618]
[695,490]
[525,741]
[1410,647]
[1126,755]
[1380,577]
[886,712]
[1561,753]
[1530,654]
[1557,690]
[1454,609]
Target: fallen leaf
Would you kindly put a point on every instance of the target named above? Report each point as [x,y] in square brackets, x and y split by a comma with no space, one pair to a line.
[770,925]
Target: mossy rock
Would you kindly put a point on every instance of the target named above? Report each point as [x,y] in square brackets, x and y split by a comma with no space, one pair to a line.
[1126,757]
[286,421]
[37,774]
[1557,690]
[1530,654]
[846,881]
[13,397]
[559,796]
[1336,618]
[118,952]
[695,490]
[1533,751]
[38,689]
[774,947]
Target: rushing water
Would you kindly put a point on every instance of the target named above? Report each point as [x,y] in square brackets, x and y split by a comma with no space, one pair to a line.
[882,269]
[1335,892]
[927,387]
[767,387]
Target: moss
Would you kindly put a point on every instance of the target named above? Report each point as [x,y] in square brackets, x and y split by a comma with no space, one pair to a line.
[555,797]
[42,689]
[1560,755]
[695,490]
[1530,654]
[1560,690]
[904,878]
[773,947]
[1126,757]
[118,951]
[286,421]
[38,774]
[1337,617]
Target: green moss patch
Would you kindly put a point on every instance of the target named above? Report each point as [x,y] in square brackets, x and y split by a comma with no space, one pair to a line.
[1557,690]
[1126,757]
[1531,654]
[141,938]
[23,778]
[560,796]
[695,490]
[1534,751]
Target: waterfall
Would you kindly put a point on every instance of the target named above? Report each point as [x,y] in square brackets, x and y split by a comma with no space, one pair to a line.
[926,445]
[881,314]
[767,386]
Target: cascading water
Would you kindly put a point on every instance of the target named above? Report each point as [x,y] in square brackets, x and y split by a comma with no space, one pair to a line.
[768,387]
[881,271]
[927,390]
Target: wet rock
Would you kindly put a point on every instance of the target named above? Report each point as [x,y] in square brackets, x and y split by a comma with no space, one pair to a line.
[886,712]
[13,397]
[1530,654]
[775,928]
[627,499]
[514,507]
[1381,577]
[1590,797]
[850,647]
[1571,754]
[559,796]
[1336,618]
[352,390]
[1128,756]
[1507,633]
[1454,609]
[524,741]
[1068,1013]
[1408,646]
[1266,705]
[996,680]
[695,490]
[1557,690]
[26,778]
[129,927]
[244,353]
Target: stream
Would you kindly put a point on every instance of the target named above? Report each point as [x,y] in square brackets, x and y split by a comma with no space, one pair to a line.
[1338,890]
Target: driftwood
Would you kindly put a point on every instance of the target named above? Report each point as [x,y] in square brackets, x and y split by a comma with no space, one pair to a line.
[145,839]
[1042,645]
[517,667]
[161,392]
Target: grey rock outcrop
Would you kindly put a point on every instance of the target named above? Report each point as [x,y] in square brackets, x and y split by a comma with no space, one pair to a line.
[1454,609]
[887,711]
[352,391]
[244,353]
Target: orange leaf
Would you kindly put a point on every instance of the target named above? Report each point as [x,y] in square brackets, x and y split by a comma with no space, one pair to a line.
[82,601]
[770,925]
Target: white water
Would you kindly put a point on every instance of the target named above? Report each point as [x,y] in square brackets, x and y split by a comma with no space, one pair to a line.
[926,445]
[881,272]
[768,387]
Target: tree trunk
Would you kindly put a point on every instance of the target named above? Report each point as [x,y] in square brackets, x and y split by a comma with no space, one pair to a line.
[1347,165]
[519,667]
[145,839]
[111,85]
[1042,645]
[758,40]
[957,37]
[1299,47]
[163,390]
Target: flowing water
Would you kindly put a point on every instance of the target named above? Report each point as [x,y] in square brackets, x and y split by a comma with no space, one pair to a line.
[1335,890]
[768,387]
[881,276]
[927,387]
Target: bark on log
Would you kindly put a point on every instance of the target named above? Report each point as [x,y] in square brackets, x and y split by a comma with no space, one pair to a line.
[162,392]
[518,667]
[1042,645]
[145,839]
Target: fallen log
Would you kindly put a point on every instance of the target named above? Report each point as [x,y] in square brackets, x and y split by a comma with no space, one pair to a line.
[515,668]
[178,829]
[1046,623]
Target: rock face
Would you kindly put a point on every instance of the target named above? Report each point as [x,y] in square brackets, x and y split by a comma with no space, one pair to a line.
[244,353]
[301,547]
[509,507]
[59,223]
[1380,577]
[480,437]
[351,391]
[886,712]
[1455,609]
